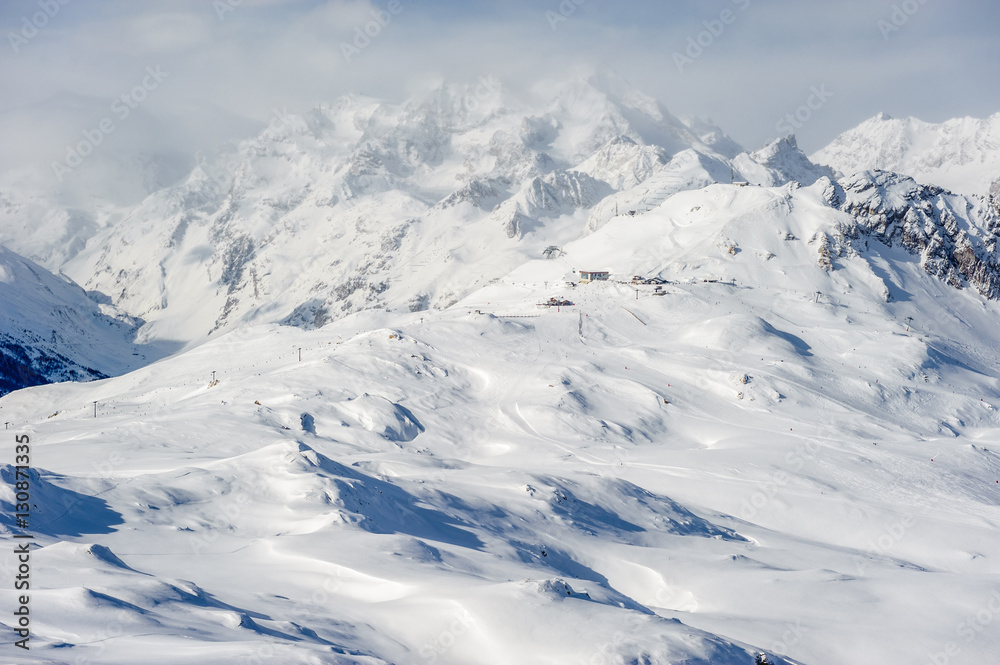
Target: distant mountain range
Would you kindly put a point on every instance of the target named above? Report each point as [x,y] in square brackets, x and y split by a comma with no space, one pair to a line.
[314,403]
[364,204]
[962,155]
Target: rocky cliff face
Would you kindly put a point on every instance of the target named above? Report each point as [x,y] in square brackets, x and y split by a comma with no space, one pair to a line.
[955,236]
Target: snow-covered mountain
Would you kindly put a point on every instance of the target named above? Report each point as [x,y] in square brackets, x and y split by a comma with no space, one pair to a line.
[779,163]
[62,180]
[772,456]
[36,225]
[50,330]
[956,237]
[379,444]
[364,204]
[962,155]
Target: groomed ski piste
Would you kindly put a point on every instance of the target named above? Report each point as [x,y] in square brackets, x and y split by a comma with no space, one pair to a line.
[771,457]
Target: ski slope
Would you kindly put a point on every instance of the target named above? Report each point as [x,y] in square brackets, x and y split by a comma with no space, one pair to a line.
[775,456]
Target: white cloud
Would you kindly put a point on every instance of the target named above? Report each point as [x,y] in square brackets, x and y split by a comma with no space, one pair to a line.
[288,53]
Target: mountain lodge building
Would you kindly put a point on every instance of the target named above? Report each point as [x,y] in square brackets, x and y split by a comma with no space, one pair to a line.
[587,276]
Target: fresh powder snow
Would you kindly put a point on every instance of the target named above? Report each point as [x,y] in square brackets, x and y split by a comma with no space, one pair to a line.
[316,408]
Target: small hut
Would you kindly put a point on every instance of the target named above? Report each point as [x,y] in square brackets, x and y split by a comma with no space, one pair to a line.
[588,276]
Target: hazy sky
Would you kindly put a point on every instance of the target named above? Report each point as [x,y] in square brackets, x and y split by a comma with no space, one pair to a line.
[225,64]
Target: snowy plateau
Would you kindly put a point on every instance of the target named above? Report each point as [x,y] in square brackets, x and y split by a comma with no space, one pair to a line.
[308,405]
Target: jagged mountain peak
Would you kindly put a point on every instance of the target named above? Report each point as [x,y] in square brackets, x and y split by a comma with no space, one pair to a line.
[361,186]
[623,163]
[778,163]
[601,112]
[712,136]
[955,236]
[461,106]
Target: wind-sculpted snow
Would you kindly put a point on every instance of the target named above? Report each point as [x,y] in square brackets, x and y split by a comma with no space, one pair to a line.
[407,433]
[451,545]
[379,415]
[58,512]
[674,478]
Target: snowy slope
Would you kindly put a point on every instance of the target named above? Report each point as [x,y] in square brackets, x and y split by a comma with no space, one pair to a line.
[773,456]
[688,170]
[51,331]
[962,155]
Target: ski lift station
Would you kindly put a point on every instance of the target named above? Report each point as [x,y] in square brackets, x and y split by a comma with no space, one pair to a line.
[587,276]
